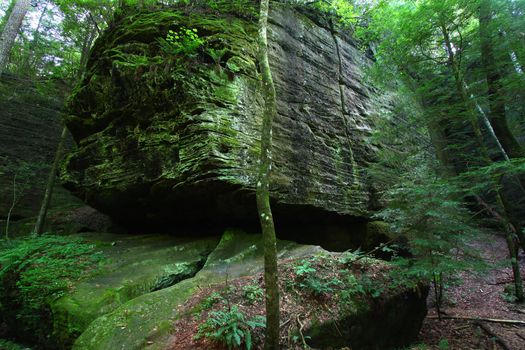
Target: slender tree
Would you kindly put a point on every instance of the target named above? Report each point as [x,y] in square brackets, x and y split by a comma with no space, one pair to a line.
[495,96]
[50,185]
[11,29]
[263,185]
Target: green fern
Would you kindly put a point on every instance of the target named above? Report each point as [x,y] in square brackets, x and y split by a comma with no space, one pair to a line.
[230,327]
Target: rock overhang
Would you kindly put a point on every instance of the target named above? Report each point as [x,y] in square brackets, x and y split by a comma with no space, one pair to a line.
[164,140]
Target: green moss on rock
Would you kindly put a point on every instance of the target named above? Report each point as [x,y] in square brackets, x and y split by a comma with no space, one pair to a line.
[135,265]
[156,129]
[145,322]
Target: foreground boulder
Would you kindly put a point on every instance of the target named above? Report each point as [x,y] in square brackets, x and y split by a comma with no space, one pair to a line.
[146,321]
[107,291]
[166,138]
[361,319]
[53,287]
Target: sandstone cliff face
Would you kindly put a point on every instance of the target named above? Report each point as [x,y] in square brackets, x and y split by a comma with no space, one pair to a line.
[30,128]
[176,139]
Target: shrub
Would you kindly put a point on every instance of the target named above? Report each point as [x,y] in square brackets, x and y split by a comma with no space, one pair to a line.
[308,279]
[252,293]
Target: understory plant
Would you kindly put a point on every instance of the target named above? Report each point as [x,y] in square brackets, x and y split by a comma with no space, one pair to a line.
[308,278]
[431,215]
[185,41]
[34,271]
[230,327]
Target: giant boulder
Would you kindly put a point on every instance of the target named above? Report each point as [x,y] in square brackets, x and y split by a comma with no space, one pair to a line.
[164,138]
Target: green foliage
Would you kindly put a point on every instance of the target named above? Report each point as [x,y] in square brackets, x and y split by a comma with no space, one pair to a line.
[242,8]
[430,213]
[211,300]
[308,278]
[35,271]
[253,293]
[443,344]
[7,345]
[216,54]
[304,268]
[354,287]
[509,294]
[230,327]
[343,9]
[185,42]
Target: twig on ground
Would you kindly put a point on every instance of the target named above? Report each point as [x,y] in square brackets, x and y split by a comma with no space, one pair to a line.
[285,323]
[301,326]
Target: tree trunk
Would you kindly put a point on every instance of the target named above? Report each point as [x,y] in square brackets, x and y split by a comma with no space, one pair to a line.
[11,29]
[263,186]
[13,204]
[86,46]
[496,99]
[41,219]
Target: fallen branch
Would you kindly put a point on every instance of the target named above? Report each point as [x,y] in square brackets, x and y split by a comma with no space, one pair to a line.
[285,323]
[493,320]
[493,335]
[519,335]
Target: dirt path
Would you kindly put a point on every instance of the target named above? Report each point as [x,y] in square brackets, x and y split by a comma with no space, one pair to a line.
[478,296]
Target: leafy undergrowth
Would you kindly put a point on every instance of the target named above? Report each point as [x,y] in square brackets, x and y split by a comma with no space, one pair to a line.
[34,271]
[8,345]
[315,289]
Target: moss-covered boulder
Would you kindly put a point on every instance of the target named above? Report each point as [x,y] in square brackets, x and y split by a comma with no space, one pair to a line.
[135,265]
[165,136]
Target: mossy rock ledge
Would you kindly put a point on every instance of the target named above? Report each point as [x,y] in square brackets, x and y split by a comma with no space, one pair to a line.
[165,139]
[131,265]
[147,321]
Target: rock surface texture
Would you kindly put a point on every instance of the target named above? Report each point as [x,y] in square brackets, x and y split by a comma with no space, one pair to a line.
[30,128]
[171,138]
[146,321]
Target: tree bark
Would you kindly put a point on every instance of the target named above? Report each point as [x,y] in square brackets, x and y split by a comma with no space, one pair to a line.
[11,29]
[263,186]
[41,219]
[13,204]
[496,99]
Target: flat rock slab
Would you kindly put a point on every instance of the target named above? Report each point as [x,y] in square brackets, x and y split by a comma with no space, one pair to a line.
[134,265]
[145,322]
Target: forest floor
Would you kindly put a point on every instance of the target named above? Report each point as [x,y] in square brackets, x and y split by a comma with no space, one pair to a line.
[478,297]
